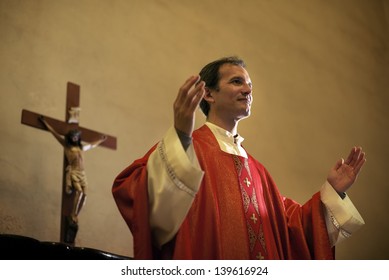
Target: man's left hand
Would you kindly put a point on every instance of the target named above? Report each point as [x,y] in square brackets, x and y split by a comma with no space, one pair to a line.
[344,173]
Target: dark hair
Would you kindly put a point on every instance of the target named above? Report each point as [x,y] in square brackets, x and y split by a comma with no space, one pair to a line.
[69,138]
[211,76]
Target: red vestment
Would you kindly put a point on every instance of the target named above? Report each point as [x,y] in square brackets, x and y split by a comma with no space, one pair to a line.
[215,226]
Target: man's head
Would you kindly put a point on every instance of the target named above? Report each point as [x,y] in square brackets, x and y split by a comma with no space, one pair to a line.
[210,75]
[73,138]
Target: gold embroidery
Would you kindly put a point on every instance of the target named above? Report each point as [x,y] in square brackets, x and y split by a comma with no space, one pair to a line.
[238,164]
[171,173]
[246,200]
[254,225]
[261,238]
[254,201]
[252,237]
[254,218]
[260,257]
[247,182]
[246,165]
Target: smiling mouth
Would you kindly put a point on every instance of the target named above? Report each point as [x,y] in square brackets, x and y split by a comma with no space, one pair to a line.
[245,100]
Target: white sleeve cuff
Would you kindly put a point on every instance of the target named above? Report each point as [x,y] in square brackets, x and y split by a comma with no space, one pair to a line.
[342,217]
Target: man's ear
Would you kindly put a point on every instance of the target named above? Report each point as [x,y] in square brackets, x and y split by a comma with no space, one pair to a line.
[208,95]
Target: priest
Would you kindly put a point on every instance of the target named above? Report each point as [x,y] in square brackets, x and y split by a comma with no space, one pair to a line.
[198,194]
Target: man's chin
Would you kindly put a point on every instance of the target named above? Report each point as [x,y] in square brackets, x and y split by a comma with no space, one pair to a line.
[246,115]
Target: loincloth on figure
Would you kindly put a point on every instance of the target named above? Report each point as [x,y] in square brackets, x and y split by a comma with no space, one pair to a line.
[75,179]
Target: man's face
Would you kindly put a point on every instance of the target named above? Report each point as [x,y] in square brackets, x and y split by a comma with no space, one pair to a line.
[232,100]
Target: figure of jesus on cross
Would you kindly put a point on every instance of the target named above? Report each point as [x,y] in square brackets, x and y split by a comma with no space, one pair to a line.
[75,178]
[68,135]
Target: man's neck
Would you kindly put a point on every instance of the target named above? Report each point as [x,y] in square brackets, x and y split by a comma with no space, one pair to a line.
[231,126]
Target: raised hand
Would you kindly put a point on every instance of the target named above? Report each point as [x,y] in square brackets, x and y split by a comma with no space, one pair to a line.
[188,98]
[344,173]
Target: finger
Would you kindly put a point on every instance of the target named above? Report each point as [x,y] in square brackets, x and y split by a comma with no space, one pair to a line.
[360,163]
[198,97]
[195,96]
[350,156]
[189,83]
[184,89]
[186,99]
[356,157]
[338,164]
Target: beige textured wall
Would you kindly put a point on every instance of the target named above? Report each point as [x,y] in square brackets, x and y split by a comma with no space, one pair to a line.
[320,74]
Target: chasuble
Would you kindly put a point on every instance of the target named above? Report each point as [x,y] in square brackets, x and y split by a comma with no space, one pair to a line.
[215,201]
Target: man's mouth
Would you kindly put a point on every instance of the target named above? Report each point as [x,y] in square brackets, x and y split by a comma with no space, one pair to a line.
[245,100]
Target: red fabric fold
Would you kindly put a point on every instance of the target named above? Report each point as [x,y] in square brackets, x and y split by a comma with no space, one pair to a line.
[130,193]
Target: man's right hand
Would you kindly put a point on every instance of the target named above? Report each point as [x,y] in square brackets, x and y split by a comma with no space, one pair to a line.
[186,103]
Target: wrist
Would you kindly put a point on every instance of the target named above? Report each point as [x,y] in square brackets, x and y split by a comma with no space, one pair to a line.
[185,139]
[342,195]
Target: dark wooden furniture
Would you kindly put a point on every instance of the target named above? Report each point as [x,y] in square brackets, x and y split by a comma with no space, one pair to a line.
[16,247]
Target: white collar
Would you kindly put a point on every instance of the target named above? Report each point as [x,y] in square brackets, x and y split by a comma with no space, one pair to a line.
[227,141]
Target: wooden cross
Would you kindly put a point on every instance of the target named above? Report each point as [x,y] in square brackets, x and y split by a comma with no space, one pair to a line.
[32,119]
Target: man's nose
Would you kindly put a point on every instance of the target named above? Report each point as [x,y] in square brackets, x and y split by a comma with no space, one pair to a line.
[247,89]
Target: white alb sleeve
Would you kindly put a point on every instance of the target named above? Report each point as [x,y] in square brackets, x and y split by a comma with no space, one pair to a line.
[342,218]
[174,177]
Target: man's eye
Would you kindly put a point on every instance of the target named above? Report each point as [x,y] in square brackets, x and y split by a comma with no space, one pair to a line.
[237,82]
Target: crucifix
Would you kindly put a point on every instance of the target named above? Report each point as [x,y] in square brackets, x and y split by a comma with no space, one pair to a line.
[74,180]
